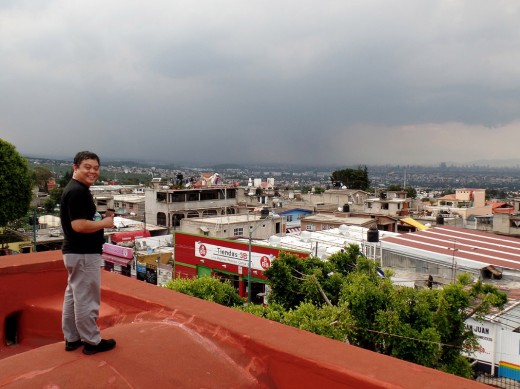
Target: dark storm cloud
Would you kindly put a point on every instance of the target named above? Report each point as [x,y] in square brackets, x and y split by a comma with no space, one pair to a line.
[291,81]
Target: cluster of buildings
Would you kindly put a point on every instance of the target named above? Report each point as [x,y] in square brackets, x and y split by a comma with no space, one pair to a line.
[207,227]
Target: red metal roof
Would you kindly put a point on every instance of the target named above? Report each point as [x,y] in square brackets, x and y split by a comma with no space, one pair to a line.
[463,244]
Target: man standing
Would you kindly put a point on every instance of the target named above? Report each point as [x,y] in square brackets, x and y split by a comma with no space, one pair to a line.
[82,248]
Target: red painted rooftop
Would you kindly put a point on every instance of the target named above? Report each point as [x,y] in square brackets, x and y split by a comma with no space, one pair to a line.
[170,340]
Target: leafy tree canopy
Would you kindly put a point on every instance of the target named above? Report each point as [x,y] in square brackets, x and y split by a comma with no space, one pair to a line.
[410,191]
[15,184]
[345,298]
[207,288]
[351,178]
[65,179]
[40,175]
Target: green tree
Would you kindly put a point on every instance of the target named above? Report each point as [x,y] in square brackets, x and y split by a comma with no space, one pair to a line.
[345,261]
[330,321]
[421,326]
[207,288]
[394,188]
[294,280]
[53,200]
[40,175]
[15,184]
[65,179]
[352,178]
[347,299]
[410,191]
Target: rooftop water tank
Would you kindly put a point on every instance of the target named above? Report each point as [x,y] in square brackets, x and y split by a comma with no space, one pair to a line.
[373,235]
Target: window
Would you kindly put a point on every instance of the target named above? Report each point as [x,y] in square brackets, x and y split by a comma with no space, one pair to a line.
[239,231]
[384,206]
[310,227]
[161,218]
[369,205]
[289,218]
[161,196]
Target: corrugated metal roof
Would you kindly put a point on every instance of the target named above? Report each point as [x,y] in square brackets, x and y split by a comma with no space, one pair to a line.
[509,317]
[469,248]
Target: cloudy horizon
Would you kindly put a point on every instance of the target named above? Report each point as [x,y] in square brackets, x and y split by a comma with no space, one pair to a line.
[297,82]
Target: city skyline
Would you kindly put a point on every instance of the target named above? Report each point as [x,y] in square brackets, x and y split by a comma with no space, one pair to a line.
[316,84]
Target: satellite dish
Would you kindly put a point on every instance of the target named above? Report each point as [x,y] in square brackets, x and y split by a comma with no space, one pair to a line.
[343,187]
[343,229]
[340,209]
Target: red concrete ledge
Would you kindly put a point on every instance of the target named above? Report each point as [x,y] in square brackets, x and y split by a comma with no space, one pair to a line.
[167,339]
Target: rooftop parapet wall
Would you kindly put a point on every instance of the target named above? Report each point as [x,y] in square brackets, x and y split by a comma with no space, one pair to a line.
[270,354]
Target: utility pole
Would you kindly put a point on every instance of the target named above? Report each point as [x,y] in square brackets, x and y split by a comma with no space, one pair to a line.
[34,228]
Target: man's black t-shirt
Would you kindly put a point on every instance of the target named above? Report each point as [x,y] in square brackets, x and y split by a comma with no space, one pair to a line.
[77,203]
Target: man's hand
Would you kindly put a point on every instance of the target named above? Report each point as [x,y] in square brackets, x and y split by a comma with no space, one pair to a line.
[88,226]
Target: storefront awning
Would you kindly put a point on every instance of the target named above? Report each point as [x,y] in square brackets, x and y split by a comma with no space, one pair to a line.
[116,260]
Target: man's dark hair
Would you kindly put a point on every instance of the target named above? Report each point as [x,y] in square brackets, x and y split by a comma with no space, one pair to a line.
[82,155]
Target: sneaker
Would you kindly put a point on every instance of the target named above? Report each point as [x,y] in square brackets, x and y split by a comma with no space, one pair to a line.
[71,346]
[104,345]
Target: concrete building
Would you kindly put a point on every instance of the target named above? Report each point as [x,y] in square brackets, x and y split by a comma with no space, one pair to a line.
[261,226]
[339,197]
[508,223]
[293,218]
[167,205]
[104,194]
[322,221]
[130,206]
[391,203]
[463,203]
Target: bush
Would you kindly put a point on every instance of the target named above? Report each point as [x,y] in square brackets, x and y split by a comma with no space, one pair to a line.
[207,288]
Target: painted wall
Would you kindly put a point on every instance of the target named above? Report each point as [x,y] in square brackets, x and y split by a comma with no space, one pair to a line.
[196,254]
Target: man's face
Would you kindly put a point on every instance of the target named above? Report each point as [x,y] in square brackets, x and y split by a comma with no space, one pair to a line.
[87,172]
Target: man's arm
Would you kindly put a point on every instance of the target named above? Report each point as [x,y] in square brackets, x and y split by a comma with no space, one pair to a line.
[88,226]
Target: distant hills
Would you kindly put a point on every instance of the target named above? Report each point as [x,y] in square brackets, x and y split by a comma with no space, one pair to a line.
[485,163]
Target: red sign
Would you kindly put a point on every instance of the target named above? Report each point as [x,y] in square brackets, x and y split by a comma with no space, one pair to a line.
[265,262]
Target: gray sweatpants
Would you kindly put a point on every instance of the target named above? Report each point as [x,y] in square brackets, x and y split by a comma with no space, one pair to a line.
[82,298]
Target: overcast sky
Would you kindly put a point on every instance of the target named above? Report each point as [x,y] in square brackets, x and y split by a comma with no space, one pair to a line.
[303,82]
